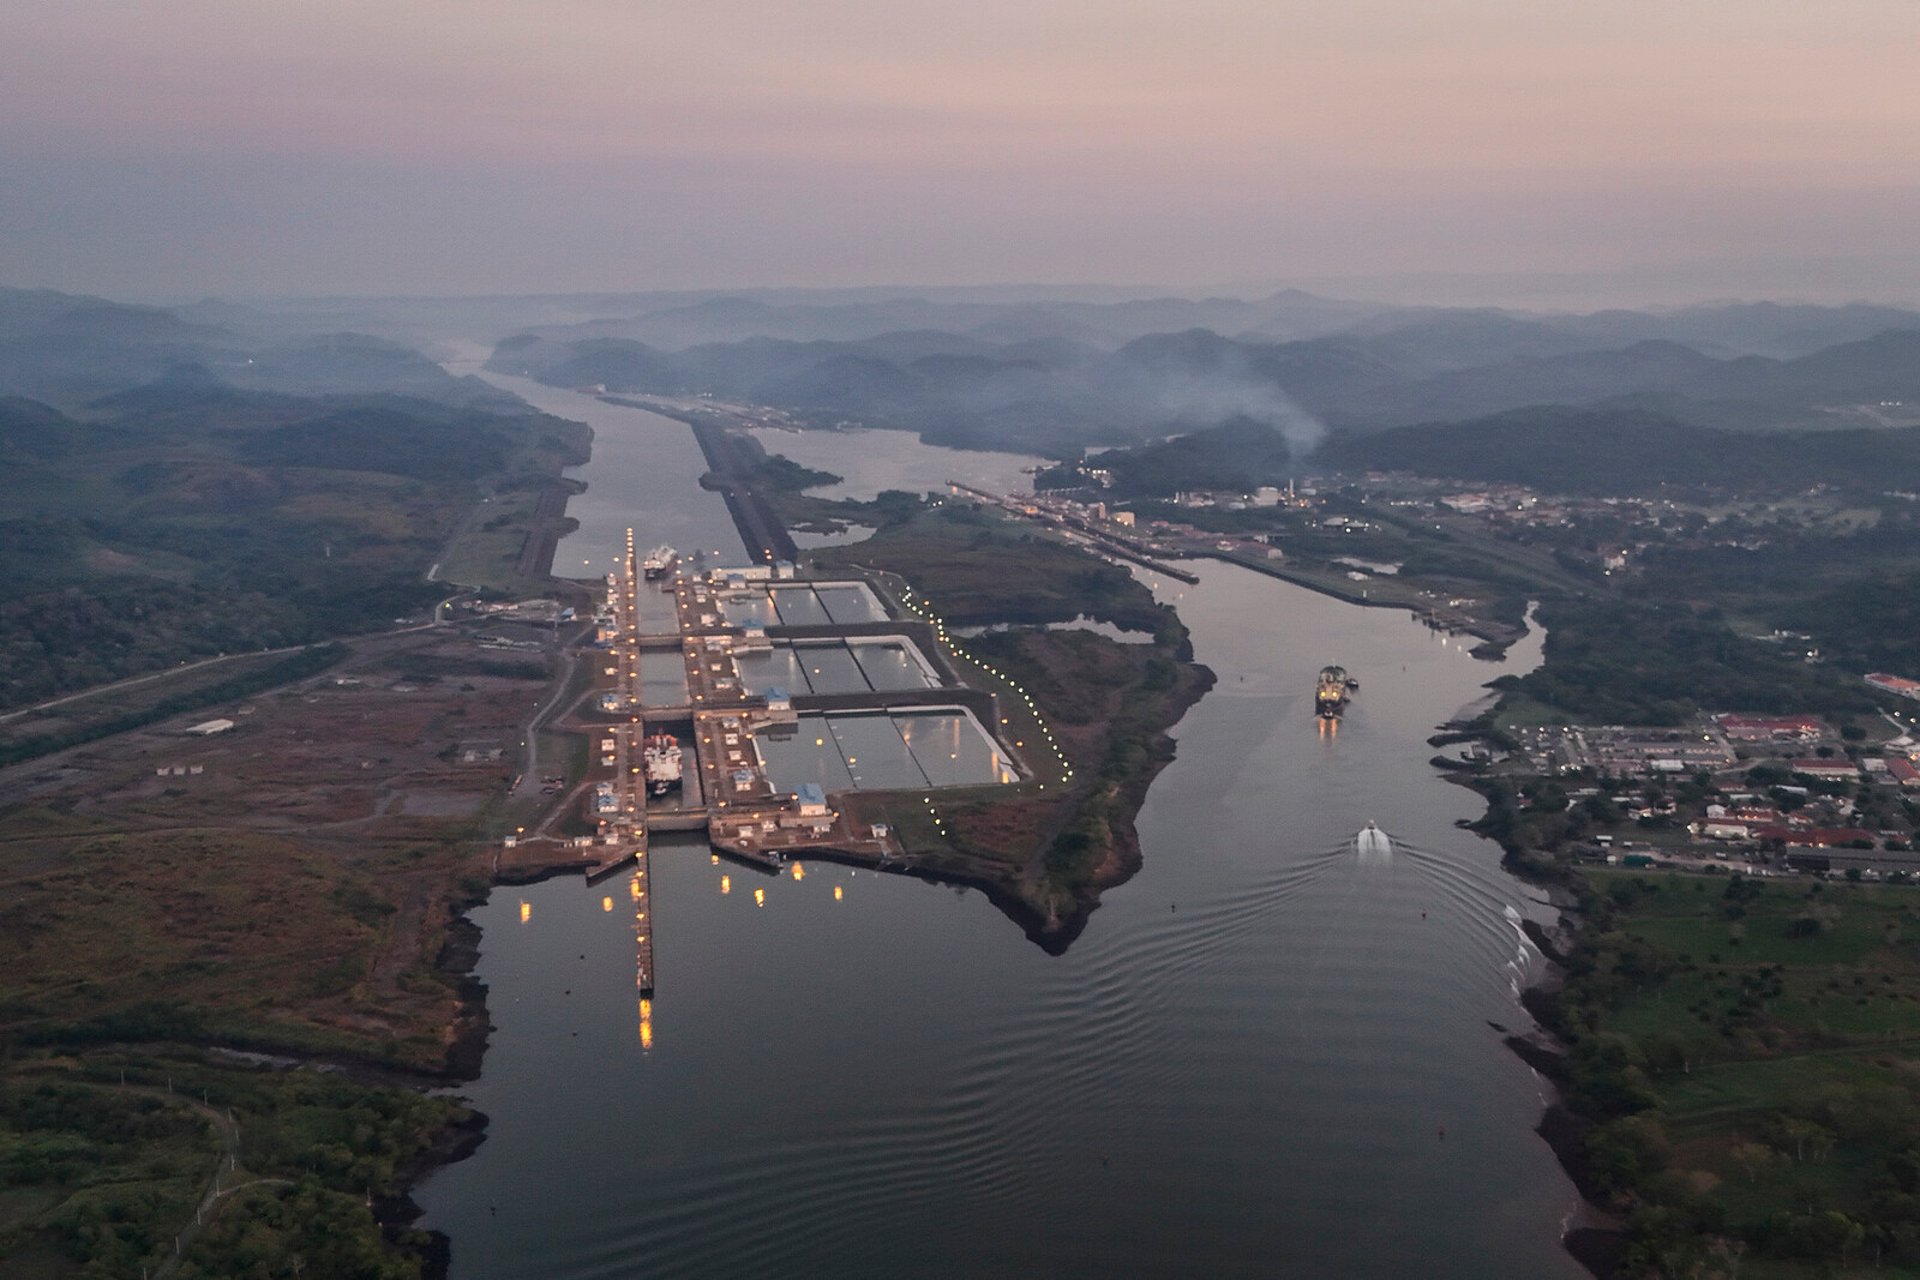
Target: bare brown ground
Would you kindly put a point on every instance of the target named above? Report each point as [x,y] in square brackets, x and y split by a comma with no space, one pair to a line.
[297,888]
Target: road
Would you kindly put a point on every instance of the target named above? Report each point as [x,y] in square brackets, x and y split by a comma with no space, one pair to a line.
[98,689]
[529,783]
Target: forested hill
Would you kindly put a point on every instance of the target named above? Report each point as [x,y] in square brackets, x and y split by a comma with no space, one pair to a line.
[1623,451]
[181,521]
[1238,455]
[1060,390]
[69,350]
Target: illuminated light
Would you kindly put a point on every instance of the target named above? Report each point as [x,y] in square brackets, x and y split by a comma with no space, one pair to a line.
[799,872]
[716,859]
[526,911]
[726,885]
[836,893]
[606,904]
[759,897]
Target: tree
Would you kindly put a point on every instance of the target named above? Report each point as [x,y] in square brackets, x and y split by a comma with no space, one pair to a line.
[1752,1157]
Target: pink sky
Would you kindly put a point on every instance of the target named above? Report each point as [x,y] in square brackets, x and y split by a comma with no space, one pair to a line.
[434,146]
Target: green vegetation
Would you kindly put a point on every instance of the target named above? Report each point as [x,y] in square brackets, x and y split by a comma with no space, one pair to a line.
[1239,455]
[172,524]
[1613,661]
[1111,705]
[1615,451]
[124,952]
[102,1167]
[1745,1054]
[982,569]
[1107,704]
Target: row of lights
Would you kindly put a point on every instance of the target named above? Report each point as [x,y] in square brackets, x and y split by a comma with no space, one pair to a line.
[940,633]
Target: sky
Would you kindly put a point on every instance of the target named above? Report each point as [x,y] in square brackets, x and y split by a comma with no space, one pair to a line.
[181,148]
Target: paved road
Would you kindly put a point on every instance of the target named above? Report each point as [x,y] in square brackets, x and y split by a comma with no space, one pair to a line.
[98,689]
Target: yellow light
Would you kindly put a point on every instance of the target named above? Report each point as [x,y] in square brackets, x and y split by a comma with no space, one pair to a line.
[836,893]
[606,904]
[759,897]
[526,911]
[726,884]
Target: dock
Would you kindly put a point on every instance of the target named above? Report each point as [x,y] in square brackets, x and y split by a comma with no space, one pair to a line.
[725,792]
[1102,541]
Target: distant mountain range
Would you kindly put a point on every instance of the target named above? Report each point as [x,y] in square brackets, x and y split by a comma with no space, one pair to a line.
[1022,370]
[1060,376]
[69,350]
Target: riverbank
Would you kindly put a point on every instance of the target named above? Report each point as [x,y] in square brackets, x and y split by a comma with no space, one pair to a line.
[1596,1237]
[1734,1055]
[1496,636]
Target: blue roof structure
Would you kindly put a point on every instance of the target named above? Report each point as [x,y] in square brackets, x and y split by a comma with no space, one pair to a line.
[810,793]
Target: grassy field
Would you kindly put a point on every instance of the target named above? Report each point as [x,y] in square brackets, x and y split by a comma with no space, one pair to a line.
[1087,715]
[1752,1049]
[979,568]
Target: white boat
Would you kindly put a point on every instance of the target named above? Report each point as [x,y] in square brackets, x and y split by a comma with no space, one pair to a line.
[657,562]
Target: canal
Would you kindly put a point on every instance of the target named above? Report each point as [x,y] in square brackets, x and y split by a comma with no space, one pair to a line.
[1266,1056]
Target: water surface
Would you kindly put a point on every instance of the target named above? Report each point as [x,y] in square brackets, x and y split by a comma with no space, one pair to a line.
[1268,1055]
[868,461]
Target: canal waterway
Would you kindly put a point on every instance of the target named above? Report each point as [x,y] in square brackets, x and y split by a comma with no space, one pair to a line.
[1267,1055]
[869,461]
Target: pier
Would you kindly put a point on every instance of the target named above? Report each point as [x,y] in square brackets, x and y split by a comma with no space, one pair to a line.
[1101,541]
[725,790]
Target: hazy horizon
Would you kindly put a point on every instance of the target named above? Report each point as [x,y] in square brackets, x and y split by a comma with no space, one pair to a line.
[1486,151]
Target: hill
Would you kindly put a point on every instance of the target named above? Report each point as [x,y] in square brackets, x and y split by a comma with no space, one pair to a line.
[1050,379]
[1625,451]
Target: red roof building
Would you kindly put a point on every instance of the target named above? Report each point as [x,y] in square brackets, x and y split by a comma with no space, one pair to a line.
[1771,728]
[1895,684]
[1836,768]
[1815,837]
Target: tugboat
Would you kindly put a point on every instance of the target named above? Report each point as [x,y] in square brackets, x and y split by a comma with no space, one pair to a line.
[657,563]
[1331,693]
[661,758]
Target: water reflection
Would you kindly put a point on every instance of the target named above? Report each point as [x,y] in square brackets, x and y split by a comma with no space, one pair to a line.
[1249,1084]
[881,750]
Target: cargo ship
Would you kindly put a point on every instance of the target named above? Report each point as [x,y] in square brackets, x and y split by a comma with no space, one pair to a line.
[1331,693]
[658,561]
[661,759]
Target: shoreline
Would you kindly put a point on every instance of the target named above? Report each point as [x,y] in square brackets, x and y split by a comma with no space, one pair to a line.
[1496,638]
[1590,1239]
[1595,1237]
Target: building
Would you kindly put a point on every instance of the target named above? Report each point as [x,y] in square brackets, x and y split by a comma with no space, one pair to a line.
[1903,771]
[744,573]
[780,706]
[1836,768]
[1900,686]
[1772,728]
